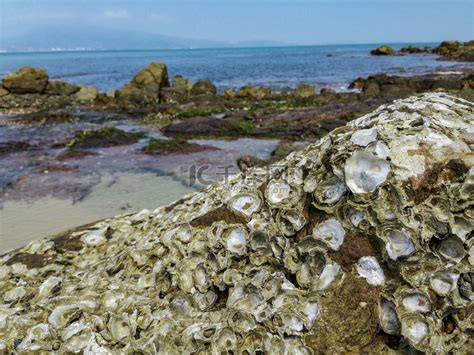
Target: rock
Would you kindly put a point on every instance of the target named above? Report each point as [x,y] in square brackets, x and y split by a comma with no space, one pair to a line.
[58,87]
[145,87]
[454,50]
[305,90]
[202,87]
[253,92]
[229,93]
[85,94]
[181,85]
[152,78]
[383,50]
[104,137]
[310,255]
[12,147]
[282,150]
[210,126]
[413,50]
[371,89]
[357,84]
[26,80]
[3,91]
[249,161]
[165,146]
[447,47]
[327,91]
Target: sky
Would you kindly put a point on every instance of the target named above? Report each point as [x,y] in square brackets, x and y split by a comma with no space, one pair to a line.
[288,21]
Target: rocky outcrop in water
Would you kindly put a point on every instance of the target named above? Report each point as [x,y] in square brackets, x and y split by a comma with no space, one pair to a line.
[360,243]
[456,51]
[448,50]
[383,50]
[145,87]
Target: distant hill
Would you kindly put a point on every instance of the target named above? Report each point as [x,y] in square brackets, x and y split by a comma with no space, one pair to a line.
[89,38]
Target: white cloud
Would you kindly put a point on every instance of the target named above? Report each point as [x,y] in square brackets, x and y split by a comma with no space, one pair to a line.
[117,14]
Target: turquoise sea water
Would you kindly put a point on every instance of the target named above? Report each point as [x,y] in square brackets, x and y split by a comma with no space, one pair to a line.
[326,66]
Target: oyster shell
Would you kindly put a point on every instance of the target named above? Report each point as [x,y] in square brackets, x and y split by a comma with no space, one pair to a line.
[269,260]
[330,232]
[399,245]
[364,172]
[245,204]
[369,268]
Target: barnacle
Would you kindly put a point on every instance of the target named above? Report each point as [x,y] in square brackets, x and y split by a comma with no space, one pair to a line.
[365,233]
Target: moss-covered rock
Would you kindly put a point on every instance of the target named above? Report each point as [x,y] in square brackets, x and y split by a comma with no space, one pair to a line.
[383,50]
[59,87]
[305,90]
[105,137]
[86,94]
[253,92]
[145,87]
[202,87]
[26,80]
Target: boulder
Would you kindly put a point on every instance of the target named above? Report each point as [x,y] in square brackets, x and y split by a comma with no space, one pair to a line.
[357,84]
[447,46]
[229,93]
[145,87]
[3,91]
[86,94]
[253,92]
[327,91]
[26,80]
[304,91]
[203,87]
[152,78]
[334,249]
[181,84]
[412,50]
[383,50]
[58,87]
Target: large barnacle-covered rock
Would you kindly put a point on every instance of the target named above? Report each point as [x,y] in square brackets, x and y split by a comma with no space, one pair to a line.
[360,243]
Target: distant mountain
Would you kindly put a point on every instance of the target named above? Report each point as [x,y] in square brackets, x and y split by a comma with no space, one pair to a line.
[89,38]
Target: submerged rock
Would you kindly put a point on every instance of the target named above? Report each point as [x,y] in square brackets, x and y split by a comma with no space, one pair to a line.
[26,80]
[104,137]
[284,259]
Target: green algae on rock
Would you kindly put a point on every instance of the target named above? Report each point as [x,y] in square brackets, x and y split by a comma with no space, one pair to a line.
[259,263]
[104,137]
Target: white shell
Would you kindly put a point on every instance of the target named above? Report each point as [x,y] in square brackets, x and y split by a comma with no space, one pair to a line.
[94,238]
[245,204]
[444,282]
[48,286]
[328,275]
[330,232]
[369,268]
[364,172]
[416,302]
[399,245]
[236,240]
[415,329]
[364,136]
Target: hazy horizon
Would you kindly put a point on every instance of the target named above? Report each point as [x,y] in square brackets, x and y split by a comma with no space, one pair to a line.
[208,23]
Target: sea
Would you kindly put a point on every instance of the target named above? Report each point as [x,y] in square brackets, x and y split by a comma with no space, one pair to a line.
[333,66]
